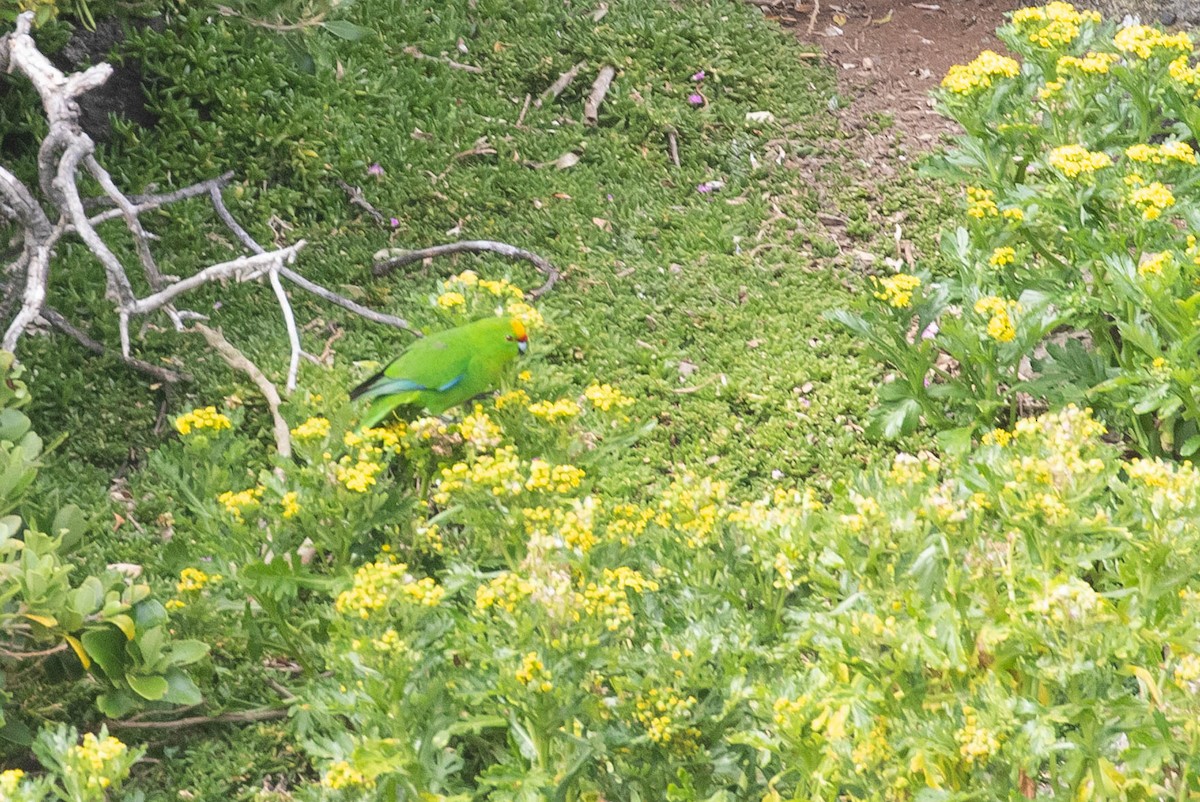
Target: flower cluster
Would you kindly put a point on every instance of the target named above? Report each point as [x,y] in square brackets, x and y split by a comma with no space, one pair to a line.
[1076,160]
[316,428]
[533,673]
[666,715]
[966,79]
[896,291]
[1184,76]
[342,775]
[975,743]
[1144,41]
[203,418]
[555,410]
[605,397]
[193,580]
[553,478]
[1089,64]
[479,430]
[499,473]
[1000,325]
[236,503]
[981,203]
[1053,26]
[1154,264]
[1002,256]
[357,475]
[378,584]
[1151,200]
[100,760]
[1165,153]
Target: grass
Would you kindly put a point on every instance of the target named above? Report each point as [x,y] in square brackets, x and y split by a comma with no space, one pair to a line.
[706,307]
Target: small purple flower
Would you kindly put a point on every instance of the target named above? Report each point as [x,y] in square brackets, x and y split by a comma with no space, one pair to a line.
[704,188]
[930,331]
[395,222]
[609,197]
[698,76]
[696,99]
[375,169]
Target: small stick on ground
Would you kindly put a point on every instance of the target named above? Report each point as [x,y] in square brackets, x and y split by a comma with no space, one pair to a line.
[358,199]
[591,107]
[673,145]
[449,62]
[812,18]
[397,258]
[58,321]
[244,717]
[524,111]
[560,84]
[238,361]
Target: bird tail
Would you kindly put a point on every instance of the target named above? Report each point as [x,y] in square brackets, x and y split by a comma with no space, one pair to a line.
[366,387]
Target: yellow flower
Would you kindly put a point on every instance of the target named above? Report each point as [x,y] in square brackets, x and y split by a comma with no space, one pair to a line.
[533,672]
[1151,200]
[1185,76]
[1050,90]
[981,203]
[193,580]
[1161,154]
[969,78]
[378,584]
[1090,64]
[1000,325]
[1075,160]
[604,397]
[531,317]
[237,503]
[512,398]
[1185,673]
[553,478]
[312,429]
[1142,41]
[524,376]
[554,410]
[479,430]
[1014,214]
[1154,263]
[896,291]
[100,758]
[357,476]
[1002,256]
[1052,26]
[451,300]
[501,288]
[976,744]
[342,775]
[9,780]
[290,504]
[204,418]
[467,278]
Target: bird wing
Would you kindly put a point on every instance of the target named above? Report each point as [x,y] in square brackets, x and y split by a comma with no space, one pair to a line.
[425,365]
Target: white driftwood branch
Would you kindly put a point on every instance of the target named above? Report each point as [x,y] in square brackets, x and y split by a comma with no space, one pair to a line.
[391,258]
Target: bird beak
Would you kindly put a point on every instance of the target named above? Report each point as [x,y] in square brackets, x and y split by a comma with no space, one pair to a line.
[522,345]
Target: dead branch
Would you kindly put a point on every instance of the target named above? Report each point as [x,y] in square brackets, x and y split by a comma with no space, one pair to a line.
[359,199]
[591,107]
[58,321]
[238,361]
[241,717]
[673,146]
[560,84]
[396,257]
[812,20]
[449,62]
[524,110]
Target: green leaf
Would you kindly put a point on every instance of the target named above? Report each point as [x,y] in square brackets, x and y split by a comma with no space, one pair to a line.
[895,419]
[186,652]
[472,726]
[70,525]
[956,441]
[106,647]
[151,687]
[180,688]
[117,703]
[345,30]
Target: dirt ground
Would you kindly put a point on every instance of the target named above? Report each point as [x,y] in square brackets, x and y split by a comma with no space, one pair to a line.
[890,53]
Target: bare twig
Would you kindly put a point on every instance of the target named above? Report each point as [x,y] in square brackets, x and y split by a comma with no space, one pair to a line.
[58,321]
[812,18]
[673,146]
[360,200]
[238,361]
[22,655]
[242,717]
[397,258]
[524,110]
[449,62]
[560,84]
[289,319]
[591,106]
[346,303]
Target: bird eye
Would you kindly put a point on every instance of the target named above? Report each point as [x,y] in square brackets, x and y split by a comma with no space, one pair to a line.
[509,338]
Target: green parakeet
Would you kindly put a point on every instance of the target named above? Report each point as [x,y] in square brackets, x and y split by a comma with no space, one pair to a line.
[444,369]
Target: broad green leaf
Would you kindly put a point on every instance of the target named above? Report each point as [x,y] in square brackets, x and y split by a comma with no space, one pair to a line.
[151,687]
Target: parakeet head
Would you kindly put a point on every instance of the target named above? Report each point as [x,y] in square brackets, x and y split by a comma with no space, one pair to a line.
[518,334]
